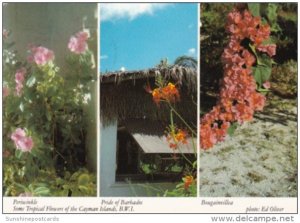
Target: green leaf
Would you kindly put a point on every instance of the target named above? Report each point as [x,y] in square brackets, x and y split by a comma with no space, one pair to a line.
[146,169]
[263,91]
[20,186]
[41,191]
[268,41]
[272,12]
[21,106]
[195,164]
[18,154]
[83,188]
[36,153]
[252,47]
[261,74]
[264,60]
[232,128]
[83,179]
[74,176]
[31,81]
[254,8]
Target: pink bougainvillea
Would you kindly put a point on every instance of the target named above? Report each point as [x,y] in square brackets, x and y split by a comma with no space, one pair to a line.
[239,98]
[269,49]
[77,44]
[19,79]
[22,142]
[40,55]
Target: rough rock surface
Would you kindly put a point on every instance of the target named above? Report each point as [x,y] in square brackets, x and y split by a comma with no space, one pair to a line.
[259,160]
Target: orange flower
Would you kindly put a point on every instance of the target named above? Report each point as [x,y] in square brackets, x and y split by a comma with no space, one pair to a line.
[188,181]
[169,93]
[181,136]
[177,137]
[156,95]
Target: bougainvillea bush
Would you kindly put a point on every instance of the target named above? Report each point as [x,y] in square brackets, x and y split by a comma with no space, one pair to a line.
[247,66]
[44,123]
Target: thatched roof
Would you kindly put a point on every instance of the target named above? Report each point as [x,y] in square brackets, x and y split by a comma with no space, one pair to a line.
[123,95]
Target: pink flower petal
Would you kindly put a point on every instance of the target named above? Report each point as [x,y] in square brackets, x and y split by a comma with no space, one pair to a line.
[267,85]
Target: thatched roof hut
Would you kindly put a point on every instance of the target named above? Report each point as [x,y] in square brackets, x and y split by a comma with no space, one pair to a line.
[123,95]
[133,127]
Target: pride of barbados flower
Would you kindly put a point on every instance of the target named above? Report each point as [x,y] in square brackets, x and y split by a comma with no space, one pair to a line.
[22,142]
[77,44]
[188,181]
[40,55]
[239,98]
[176,137]
[167,93]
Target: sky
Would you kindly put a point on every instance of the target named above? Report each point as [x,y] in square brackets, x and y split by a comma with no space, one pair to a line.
[138,35]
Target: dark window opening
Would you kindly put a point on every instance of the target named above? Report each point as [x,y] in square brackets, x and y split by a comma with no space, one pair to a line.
[134,165]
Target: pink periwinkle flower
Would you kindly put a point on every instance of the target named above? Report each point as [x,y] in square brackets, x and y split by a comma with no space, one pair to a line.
[20,75]
[22,142]
[40,55]
[18,134]
[19,88]
[19,79]
[26,144]
[77,44]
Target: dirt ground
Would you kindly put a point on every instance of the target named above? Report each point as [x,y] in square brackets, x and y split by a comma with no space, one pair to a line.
[259,160]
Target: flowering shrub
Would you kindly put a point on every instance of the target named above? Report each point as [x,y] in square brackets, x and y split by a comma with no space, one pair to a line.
[168,93]
[247,68]
[40,55]
[22,142]
[77,43]
[19,78]
[44,121]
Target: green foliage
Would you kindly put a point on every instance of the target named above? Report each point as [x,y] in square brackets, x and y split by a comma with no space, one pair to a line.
[284,79]
[80,183]
[282,18]
[180,191]
[213,39]
[232,128]
[164,63]
[186,61]
[254,8]
[50,109]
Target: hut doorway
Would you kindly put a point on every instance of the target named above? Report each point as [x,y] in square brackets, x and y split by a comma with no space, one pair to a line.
[127,153]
